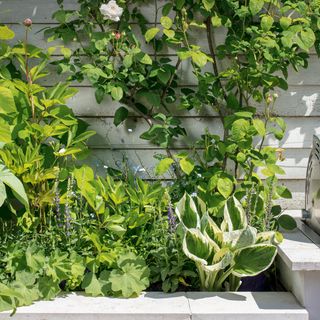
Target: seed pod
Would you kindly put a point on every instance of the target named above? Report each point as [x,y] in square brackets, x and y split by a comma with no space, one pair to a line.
[27,22]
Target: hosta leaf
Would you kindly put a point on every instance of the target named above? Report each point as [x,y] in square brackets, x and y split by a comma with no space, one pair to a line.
[234,215]
[3,193]
[187,212]
[196,246]
[222,259]
[253,260]
[212,231]
[247,238]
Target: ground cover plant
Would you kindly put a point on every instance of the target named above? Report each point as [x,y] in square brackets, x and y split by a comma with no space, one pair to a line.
[64,228]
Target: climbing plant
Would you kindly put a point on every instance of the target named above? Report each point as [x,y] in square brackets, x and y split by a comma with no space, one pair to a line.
[237,79]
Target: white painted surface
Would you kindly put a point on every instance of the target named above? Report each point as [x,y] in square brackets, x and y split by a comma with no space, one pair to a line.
[160,306]
[300,105]
[245,306]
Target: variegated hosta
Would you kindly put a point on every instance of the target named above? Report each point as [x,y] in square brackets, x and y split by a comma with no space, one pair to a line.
[224,252]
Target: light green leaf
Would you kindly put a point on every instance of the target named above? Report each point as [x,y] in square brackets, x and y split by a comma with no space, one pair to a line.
[169,33]
[208,4]
[117,93]
[3,193]
[146,59]
[151,33]
[259,126]
[91,285]
[7,104]
[225,187]
[266,23]
[253,260]
[48,288]
[285,22]
[163,166]
[256,6]
[216,21]
[186,165]
[166,22]
[6,33]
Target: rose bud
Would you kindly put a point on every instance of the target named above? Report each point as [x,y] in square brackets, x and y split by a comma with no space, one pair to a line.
[118,35]
[27,22]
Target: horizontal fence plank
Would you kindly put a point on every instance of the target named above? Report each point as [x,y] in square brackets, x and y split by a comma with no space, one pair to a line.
[143,162]
[299,132]
[40,11]
[309,77]
[296,102]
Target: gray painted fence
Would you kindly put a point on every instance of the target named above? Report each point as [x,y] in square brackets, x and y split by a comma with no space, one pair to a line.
[300,106]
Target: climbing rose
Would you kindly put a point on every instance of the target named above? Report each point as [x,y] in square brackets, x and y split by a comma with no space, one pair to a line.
[27,22]
[111,11]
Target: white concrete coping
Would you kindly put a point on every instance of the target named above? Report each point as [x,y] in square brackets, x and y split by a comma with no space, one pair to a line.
[297,250]
[160,306]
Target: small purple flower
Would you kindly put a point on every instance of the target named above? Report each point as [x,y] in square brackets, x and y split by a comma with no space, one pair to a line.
[171,219]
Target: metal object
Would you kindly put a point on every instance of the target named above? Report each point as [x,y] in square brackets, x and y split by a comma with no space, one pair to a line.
[312,191]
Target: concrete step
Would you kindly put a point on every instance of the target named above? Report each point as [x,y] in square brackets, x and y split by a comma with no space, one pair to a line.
[299,265]
[160,306]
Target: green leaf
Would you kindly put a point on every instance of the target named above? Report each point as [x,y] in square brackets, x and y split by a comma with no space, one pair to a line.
[48,288]
[7,104]
[259,126]
[128,60]
[285,22]
[169,33]
[216,21]
[3,193]
[256,6]
[253,260]
[208,4]
[186,165]
[146,59]
[308,38]
[131,277]
[266,23]
[199,58]
[225,187]
[120,115]
[166,9]
[166,22]
[6,33]
[164,76]
[117,93]
[151,33]
[8,178]
[187,212]
[58,266]
[66,52]
[287,222]
[91,285]
[284,192]
[163,166]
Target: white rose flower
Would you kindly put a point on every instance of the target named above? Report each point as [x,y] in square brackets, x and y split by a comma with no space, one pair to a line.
[111,11]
